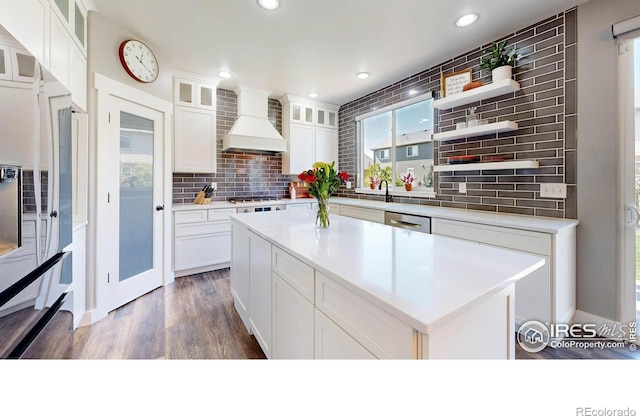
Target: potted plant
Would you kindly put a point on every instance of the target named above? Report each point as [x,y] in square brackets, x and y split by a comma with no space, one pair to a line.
[407,180]
[375,174]
[499,61]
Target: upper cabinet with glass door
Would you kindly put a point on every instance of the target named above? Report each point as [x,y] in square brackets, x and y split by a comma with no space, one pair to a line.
[309,112]
[74,15]
[190,93]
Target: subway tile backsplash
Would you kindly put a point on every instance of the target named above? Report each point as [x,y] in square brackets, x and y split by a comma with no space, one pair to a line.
[545,108]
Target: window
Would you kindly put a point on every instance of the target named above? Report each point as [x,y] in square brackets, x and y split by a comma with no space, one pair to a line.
[412,151]
[396,140]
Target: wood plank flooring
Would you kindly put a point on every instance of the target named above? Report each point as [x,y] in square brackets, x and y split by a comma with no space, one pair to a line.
[195,319]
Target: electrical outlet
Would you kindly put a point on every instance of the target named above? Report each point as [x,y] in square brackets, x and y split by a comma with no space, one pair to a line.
[348,185]
[462,188]
[553,190]
[214,185]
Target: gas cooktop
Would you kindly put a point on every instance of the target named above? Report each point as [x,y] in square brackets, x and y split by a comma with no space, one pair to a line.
[249,199]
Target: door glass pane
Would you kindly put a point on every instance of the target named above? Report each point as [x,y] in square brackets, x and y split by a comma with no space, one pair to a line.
[26,65]
[186,92]
[332,119]
[136,196]
[308,114]
[296,112]
[320,116]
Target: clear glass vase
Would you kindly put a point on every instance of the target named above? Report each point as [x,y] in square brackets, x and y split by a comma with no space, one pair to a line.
[322,216]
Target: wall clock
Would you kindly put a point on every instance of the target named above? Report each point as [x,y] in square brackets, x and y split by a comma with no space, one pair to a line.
[138,60]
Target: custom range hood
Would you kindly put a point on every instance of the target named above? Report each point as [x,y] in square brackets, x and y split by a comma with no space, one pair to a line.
[252,129]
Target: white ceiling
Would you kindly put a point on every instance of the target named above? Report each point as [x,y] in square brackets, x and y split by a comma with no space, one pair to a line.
[319,45]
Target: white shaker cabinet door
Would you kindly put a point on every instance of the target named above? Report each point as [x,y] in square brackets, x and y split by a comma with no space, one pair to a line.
[194,140]
[240,272]
[332,342]
[292,322]
[326,145]
[260,291]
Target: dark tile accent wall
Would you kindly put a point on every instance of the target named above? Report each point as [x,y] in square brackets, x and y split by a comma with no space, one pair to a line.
[240,173]
[544,107]
[29,192]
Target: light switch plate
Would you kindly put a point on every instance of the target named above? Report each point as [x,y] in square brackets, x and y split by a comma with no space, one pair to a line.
[214,185]
[348,185]
[553,190]
[462,188]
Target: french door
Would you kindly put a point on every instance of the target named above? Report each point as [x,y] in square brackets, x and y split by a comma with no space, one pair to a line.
[133,208]
[629,105]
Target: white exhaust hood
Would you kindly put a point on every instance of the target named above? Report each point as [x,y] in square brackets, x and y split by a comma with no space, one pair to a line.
[252,129]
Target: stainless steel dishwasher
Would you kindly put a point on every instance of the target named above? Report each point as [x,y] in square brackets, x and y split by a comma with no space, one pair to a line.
[409,222]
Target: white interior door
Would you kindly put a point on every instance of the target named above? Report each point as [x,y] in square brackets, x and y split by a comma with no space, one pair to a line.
[629,93]
[134,207]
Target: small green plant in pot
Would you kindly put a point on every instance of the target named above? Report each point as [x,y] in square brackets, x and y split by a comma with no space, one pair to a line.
[499,60]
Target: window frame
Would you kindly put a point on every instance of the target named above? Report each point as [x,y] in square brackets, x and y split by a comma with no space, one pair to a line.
[393,190]
[411,147]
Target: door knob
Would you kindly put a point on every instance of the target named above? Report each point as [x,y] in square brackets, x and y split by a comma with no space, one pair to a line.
[54,214]
[159,207]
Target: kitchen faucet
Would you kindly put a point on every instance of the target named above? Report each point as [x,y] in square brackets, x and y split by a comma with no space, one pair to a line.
[387,197]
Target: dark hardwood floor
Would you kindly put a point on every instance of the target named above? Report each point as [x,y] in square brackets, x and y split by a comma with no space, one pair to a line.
[195,319]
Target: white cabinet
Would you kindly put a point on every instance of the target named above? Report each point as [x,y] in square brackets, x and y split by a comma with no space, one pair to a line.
[292,322]
[194,141]
[202,240]
[194,138]
[333,343]
[251,284]
[27,21]
[327,118]
[301,113]
[546,295]
[240,272]
[361,213]
[260,291]
[16,63]
[326,145]
[190,93]
[311,131]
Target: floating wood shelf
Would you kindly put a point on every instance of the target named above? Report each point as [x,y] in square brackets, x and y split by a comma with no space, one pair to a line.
[494,89]
[509,164]
[490,128]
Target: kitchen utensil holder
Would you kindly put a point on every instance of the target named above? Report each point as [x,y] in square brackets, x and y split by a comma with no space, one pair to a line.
[200,199]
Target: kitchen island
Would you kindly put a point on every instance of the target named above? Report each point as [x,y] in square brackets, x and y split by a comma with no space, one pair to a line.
[365,290]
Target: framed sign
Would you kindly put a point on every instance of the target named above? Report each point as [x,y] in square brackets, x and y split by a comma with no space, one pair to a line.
[453,83]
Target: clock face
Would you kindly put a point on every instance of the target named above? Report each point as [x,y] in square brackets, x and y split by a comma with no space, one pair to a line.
[138,60]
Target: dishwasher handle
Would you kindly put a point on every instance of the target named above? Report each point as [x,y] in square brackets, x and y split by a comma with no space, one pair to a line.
[404,224]
[409,222]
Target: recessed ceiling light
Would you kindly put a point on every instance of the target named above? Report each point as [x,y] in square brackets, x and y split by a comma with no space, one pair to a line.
[269,4]
[466,20]
[225,74]
[313,94]
[363,75]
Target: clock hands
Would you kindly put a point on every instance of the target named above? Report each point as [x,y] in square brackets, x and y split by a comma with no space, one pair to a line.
[143,64]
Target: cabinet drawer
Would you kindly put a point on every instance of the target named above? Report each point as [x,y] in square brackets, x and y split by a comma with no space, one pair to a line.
[185,217]
[529,241]
[363,213]
[220,214]
[199,228]
[378,331]
[294,272]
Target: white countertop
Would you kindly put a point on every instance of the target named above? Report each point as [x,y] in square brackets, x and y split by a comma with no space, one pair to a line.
[422,279]
[521,222]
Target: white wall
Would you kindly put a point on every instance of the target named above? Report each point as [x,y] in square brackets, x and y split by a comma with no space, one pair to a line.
[597,271]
